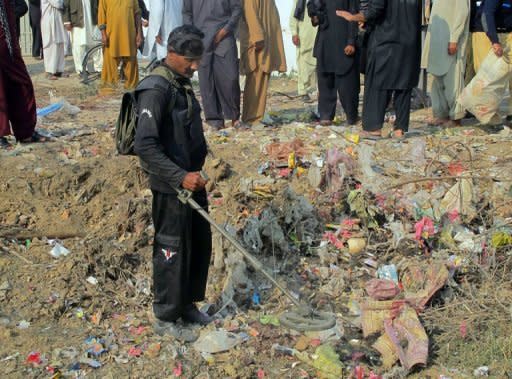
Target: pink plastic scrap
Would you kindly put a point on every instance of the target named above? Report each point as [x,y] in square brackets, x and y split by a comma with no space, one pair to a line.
[402,337]
[382,289]
[424,228]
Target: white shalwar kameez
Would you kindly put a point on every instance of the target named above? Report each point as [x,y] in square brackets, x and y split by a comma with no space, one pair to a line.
[82,39]
[164,17]
[54,35]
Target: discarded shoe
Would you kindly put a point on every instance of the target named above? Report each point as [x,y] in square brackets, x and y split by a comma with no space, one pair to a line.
[194,316]
[181,333]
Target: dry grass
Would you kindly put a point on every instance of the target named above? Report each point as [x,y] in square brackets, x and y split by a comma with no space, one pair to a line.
[474,327]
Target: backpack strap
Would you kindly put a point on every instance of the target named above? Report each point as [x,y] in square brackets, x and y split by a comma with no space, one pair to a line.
[171,77]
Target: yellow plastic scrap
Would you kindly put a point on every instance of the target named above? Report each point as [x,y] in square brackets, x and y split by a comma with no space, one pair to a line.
[325,360]
[270,320]
[352,137]
[291,160]
[501,239]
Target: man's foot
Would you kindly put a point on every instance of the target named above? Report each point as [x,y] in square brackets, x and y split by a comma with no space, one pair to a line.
[326,122]
[240,125]
[452,124]
[181,333]
[35,138]
[4,144]
[371,135]
[215,126]
[436,121]
[194,316]
[52,76]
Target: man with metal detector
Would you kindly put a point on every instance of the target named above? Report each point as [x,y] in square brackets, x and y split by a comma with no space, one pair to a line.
[171,146]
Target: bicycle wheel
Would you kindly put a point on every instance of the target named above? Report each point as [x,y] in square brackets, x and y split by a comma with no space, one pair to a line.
[88,74]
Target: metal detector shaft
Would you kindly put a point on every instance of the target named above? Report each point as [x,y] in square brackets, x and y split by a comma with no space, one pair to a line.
[185,197]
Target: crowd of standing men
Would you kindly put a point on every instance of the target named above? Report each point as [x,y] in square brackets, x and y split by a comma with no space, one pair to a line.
[466,51]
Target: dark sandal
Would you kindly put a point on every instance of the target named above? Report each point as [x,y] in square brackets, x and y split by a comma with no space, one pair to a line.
[370,136]
[35,138]
[4,144]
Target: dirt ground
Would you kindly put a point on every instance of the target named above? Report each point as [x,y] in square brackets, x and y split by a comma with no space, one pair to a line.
[76,192]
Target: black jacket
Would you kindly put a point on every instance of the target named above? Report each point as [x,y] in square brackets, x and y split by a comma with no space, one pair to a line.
[168,142]
[74,12]
[333,36]
[20,8]
[497,18]
[394,45]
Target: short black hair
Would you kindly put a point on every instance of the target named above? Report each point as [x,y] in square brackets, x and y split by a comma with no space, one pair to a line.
[186,40]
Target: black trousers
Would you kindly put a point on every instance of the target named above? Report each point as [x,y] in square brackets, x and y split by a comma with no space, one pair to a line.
[181,254]
[35,25]
[330,86]
[375,103]
[219,83]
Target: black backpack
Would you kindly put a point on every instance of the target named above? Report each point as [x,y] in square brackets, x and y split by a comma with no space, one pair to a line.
[126,124]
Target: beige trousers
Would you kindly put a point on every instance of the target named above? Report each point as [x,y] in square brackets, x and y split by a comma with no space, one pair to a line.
[255,96]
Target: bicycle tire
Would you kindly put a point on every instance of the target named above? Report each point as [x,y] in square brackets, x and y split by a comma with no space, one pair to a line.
[86,75]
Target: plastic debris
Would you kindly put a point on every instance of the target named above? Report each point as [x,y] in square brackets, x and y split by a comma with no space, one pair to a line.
[459,198]
[388,272]
[424,228]
[23,324]
[90,362]
[95,347]
[356,245]
[481,371]
[178,370]
[501,239]
[34,358]
[135,351]
[382,289]
[270,320]
[217,341]
[59,250]
[325,360]
[45,111]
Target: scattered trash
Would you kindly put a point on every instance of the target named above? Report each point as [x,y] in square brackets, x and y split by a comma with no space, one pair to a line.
[58,250]
[270,320]
[34,359]
[23,324]
[482,371]
[382,289]
[356,245]
[45,111]
[135,351]
[90,362]
[217,341]
[388,272]
[178,370]
[459,198]
[92,280]
[325,360]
